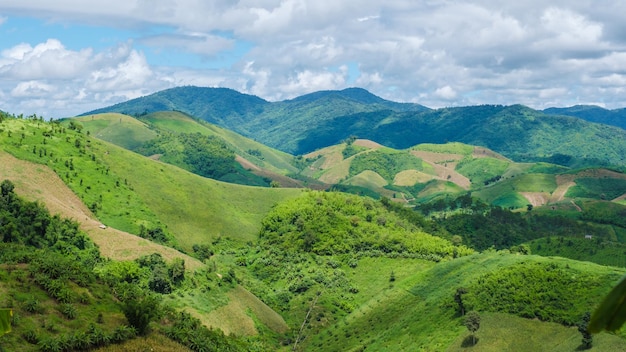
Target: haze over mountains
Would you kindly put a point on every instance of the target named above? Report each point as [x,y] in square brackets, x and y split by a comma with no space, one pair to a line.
[324,118]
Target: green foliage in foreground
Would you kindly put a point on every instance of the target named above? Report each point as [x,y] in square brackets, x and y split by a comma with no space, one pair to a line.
[334,223]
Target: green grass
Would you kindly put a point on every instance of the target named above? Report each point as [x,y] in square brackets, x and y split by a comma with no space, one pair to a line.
[130,190]
[607,188]
[481,169]
[84,169]
[196,209]
[424,317]
[593,250]
[503,332]
[451,148]
[119,129]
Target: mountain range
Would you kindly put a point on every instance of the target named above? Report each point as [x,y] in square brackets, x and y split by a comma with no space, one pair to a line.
[324,118]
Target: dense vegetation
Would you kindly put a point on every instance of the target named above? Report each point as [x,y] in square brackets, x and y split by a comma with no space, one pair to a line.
[208,156]
[332,223]
[64,294]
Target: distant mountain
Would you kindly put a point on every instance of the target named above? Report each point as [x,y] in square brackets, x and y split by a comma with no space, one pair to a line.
[517,132]
[593,113]
[220,106]
[325,118]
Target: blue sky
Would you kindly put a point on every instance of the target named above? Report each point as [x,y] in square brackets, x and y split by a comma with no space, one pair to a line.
[66,57]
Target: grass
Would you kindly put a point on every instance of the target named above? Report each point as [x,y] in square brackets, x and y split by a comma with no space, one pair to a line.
[196,209]
[128,190]
[504,332]
[118,129]
[418,314]
[449,148]
[481,169]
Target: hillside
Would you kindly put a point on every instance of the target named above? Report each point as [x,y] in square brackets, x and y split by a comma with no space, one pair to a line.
[321,119]
[428,172]
[174,137]
[307,270]
[616,117]
[138,195]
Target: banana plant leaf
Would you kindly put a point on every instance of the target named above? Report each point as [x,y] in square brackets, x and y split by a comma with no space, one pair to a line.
[611,314]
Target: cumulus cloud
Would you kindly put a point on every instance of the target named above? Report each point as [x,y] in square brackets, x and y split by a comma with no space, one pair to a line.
[435,53]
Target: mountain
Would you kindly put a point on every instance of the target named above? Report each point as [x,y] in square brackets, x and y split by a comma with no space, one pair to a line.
[517,132]
[592,113]
[222,106]
[325,118]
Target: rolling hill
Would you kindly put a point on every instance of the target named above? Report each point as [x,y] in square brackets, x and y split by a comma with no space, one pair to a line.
[325,118]
[592,113]
[293,269]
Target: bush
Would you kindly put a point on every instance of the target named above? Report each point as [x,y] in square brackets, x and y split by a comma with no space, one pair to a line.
[141,311]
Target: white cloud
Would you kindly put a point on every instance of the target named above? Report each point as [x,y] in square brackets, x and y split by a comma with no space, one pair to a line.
[438,53]
[197,43]
[446,93]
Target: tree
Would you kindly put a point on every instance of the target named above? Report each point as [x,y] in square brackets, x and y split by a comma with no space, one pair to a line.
[472,323]
[458,298]
[583,326]
[141,311]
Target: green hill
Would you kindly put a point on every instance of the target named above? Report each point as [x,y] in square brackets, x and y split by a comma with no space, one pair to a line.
[616,117]
[320,119]
[428,172]
[132,193]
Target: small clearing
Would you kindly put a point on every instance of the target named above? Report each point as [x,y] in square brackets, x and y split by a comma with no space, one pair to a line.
[480,152]
[37,182]
[443,165]
[233,318]
[367,144]
[536,198]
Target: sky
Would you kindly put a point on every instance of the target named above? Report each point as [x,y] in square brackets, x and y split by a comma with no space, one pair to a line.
[65,57]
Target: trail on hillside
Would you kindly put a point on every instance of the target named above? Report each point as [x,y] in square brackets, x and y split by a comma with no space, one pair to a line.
[37,182]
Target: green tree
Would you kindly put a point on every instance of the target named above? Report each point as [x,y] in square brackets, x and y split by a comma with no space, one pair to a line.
[472,323]
[583,326]
[458,298]
[141,311]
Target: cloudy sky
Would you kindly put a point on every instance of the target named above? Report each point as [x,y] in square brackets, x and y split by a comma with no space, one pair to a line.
[64,57]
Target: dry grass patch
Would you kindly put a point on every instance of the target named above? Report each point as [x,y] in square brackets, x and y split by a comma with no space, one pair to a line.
[536,198]
[411,177]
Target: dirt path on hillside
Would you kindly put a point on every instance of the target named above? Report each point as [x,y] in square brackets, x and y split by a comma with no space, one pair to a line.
[37,182]
[562,187]
[622,197]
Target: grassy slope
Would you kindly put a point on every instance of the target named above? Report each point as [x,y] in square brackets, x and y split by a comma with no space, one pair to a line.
[196,209]
[119,129]
[39,183]
[130,133]
[419,312]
